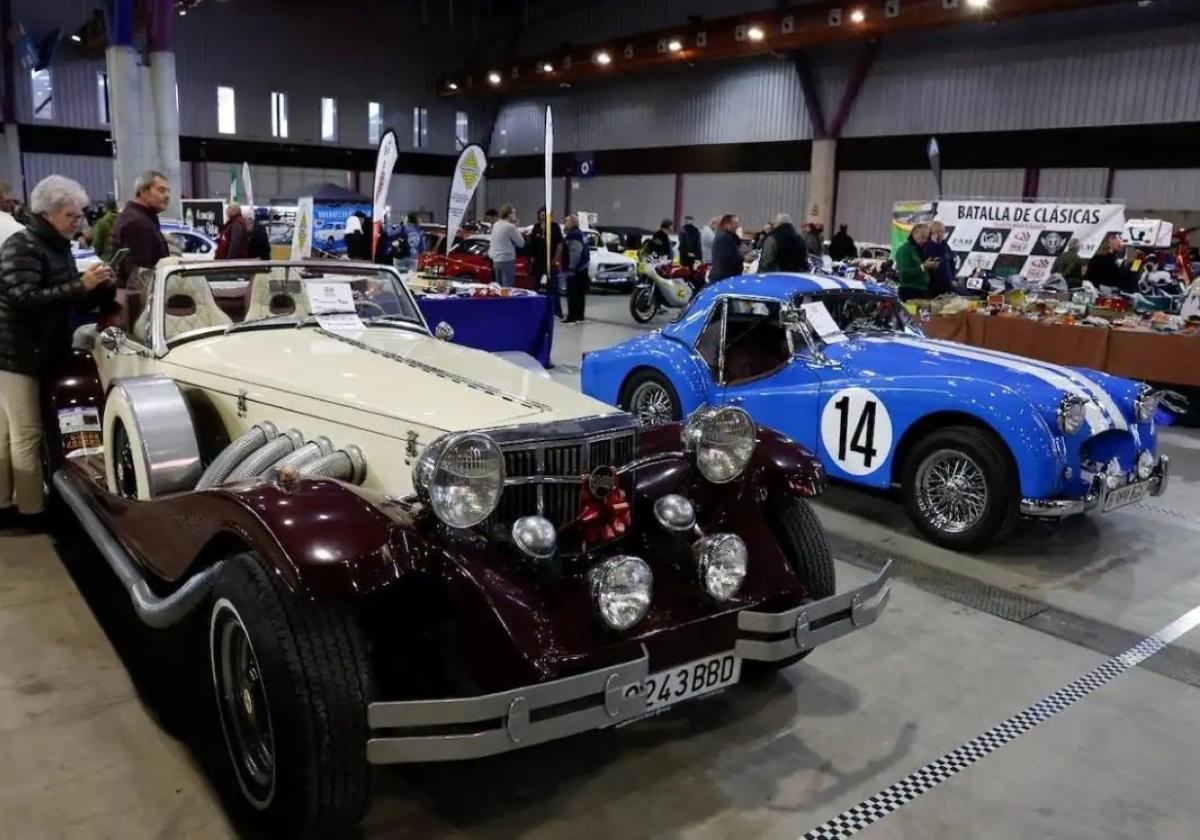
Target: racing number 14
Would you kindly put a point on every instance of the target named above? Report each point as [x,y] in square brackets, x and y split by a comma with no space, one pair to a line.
[863,441]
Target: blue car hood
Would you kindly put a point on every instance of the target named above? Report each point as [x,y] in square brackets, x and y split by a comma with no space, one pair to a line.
[1042,384]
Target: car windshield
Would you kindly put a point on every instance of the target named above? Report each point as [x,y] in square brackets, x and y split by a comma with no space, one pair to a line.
[859,312]
[234,296]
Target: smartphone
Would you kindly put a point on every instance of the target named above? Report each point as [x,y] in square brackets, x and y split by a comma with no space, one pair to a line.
[117,258]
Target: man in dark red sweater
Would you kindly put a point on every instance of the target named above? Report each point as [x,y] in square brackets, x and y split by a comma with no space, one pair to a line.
[137,226]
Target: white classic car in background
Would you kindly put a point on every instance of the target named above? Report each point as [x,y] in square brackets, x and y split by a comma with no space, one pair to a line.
[190,244]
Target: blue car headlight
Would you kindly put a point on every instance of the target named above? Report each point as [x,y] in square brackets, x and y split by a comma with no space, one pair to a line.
[1070,414]
[1146,404]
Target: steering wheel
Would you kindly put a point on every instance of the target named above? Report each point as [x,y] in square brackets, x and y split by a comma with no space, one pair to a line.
[372,304]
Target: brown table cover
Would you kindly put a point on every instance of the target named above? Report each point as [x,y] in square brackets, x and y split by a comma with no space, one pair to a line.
[1155,357]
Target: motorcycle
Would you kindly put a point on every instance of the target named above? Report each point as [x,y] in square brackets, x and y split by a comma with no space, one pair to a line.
[663,285]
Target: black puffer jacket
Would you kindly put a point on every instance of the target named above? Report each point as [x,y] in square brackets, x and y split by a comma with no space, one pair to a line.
[39,285]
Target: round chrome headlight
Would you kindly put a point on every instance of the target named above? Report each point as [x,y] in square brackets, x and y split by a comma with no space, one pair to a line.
[1070,414]
[1145,464]
[461,476]
[721,561]
[721,441]
[1146,405]
[621,587]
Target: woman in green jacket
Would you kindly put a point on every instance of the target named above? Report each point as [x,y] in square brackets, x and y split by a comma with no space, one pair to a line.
[912,268]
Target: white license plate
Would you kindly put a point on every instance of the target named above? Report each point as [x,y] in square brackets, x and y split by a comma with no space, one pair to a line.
[1126,495]
[683,682]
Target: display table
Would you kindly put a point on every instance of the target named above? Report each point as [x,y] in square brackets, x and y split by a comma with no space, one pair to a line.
[1154,357]
[523,323]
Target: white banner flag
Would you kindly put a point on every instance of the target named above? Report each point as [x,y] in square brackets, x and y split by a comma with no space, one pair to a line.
[385,162]
[468,172]
[1023,237]
[247,186]
[302,233]
[549,189]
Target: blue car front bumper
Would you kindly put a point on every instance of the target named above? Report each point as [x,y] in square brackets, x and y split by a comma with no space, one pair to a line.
[1103,485]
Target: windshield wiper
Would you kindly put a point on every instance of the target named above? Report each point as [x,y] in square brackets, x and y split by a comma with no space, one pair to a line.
[267,320]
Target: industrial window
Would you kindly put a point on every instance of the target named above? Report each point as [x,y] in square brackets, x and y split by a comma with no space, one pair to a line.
[374,122]
[279,119]
[226,111]
[462,130]
[329,120]
[102,98]
[41,85]
[420,127]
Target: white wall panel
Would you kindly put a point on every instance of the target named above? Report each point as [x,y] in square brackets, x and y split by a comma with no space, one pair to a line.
[423,194]
[94,173]
[637,200]
[757,197]
[865,199]
[983,183]
[1157,189]
[1079,183]
[527,194]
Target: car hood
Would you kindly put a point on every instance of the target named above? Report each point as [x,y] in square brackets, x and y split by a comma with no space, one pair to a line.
[386,375]
[611,258]
[1042,384]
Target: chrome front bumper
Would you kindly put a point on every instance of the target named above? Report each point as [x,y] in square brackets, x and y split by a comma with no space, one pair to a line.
[473,727]
[1160,476]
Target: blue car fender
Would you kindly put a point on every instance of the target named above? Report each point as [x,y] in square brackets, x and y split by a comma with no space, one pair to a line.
[605,372]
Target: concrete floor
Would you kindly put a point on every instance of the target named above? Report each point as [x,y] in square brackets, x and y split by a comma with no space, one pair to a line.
[106,731]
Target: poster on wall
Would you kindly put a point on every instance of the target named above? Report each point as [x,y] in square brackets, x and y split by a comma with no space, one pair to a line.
[1016,237]
[329,225]
[281,223]
[205,215]
[905,214]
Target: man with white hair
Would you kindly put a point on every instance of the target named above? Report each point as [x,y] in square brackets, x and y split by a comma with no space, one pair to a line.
[39,286]
[783,248]
[707,236]
[137,227]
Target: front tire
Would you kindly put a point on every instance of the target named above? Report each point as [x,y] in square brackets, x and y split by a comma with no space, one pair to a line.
[960,488]
[643,304]
[651,398]
[292,683]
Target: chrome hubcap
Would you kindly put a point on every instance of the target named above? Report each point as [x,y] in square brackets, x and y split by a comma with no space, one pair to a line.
[242,701]
[651,405]
[952,491]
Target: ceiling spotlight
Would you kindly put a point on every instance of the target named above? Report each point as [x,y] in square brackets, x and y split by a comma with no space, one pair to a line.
[547,67]
[494,78]
[755,33]
[674,45]
[978,4]
[76,39]
[603,58]
[183,12]
[452,85]
[858,15]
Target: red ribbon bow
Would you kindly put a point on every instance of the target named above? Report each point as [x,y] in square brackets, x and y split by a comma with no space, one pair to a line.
[603,518]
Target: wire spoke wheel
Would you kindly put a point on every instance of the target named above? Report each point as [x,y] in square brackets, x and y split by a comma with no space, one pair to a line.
[952,491]
[651,404]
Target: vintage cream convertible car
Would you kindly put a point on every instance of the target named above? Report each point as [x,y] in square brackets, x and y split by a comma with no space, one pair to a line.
[404,550]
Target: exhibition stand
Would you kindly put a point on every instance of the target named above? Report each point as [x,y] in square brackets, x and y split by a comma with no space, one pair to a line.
[524,323]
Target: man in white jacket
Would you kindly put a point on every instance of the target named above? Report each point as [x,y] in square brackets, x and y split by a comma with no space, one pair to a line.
[506,239]
[707,234]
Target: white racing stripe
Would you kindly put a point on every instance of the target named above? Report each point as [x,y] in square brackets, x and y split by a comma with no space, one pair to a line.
[1096,419]
[826,283]
[852,285]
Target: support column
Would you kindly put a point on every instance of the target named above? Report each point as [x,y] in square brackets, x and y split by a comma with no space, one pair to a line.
[822,181]
[125,96]
[162,81]
[12,169]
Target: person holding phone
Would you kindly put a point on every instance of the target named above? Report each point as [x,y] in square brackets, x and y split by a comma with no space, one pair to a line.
[912,266]
[941,274]
[39,286]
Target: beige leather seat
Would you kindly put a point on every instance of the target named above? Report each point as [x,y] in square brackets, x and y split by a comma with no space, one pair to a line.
[271,294]
[189,306]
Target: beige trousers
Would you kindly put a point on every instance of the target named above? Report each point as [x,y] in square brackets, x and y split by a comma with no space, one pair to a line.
[20,444]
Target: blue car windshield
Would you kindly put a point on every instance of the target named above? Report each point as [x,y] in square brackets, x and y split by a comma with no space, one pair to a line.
[859,312]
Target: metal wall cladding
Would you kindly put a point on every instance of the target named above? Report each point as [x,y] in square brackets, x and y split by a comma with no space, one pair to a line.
[94,173]
[272,182]
[1080,183]
[757,197]
[425,195]
[1145,190]
[865,199]
[636,200]
[526,194]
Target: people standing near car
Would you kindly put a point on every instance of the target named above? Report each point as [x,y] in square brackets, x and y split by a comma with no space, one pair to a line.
[233,242]
[707,236]
[259,244]
[812,239]
[727,250]
[39,286]
[912,266]
[1104,268]
[1069,264]
[503,245]
[762,235]
[841,246]
[783,249]
[357,237]
[941,276]
[575,258]
[535,247]
[410,241]
[690,248]
[137,226]
[102,230]
[662,239]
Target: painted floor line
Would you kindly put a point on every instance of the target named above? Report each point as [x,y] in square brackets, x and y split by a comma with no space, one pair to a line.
[872,810]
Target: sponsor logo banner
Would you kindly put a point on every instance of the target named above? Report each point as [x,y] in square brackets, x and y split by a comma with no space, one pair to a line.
[468,172]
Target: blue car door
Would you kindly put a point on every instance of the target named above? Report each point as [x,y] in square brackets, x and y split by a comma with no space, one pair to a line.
[759,371]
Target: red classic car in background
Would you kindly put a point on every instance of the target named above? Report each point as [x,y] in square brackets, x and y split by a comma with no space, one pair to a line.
[469,260]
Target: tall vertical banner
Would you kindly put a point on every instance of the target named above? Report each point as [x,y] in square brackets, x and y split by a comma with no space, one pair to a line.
[468,172]
[235,195]
[934,154]
[549,191]
[385,162]
[247,187]
[302,232]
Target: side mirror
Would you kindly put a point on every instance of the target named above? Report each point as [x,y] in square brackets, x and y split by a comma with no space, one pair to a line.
[443,331]
[112,339]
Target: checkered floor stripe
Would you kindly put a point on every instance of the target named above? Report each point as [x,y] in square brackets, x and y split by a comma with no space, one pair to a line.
[870,811]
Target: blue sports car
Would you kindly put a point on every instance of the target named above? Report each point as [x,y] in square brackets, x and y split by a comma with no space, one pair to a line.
[971,438]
